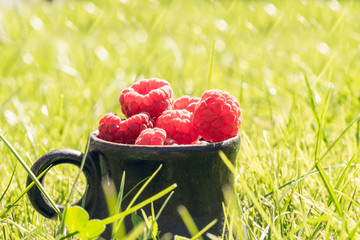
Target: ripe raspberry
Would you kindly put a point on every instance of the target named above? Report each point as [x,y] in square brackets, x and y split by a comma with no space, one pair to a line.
[110,119]
[217,116]
[170,141]
[151,136]
[149,95]
[186,102]
[177,125]
[112,128]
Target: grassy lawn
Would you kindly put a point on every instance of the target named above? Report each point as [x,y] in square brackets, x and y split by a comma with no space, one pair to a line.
[293,66]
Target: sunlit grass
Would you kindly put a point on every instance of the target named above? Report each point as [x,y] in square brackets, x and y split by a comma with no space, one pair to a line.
[64,64]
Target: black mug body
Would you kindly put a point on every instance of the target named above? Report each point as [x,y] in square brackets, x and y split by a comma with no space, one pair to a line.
[198,171]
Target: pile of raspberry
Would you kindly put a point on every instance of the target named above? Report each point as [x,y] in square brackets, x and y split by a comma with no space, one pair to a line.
[153,117]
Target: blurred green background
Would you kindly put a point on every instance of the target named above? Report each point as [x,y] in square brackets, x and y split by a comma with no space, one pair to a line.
[63,65]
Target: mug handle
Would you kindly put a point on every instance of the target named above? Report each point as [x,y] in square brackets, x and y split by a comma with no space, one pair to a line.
[56,157]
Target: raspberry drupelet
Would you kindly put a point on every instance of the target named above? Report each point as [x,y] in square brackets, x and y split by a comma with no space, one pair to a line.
[151,136]
[217,116]
[170,141]
[112,128]
[178,126]
[186,102]
[148,95]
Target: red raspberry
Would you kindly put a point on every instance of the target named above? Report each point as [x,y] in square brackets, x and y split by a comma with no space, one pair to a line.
[186,102]
[151,136]
[217,116]
[110,119]
[112,128]
[178,126]
[170,141]
[149,95]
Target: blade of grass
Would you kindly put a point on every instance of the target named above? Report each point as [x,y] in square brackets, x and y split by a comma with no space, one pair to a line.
[313,107]
[358,134]
[136,232]
[211,65]
[351,199]
[4,233]
[188,220]
[121,193]
[143,187]
[265,233]
[324,69]
[147,223]
[232,169]
[345,170]
[312,206]
[344,174]
[311,98]
[255,203]
[337,22]
[8,185]
[108,186]
[327,232]
[310,172]
[7,208]
[238,205]
[269,104]
[294,182]
[330,189]
[121,215]
[18,226]
[274,182]
[207,227]
[117,225]
[302,225]
[8,100]
[250,194]
[158,214]
[138,184]
[333,144]
[339,137]
[80,169]
[321,124]
[213,237]
[140,191]
[348,83]
[350,204]
[157,21]
[230,209]
[323,175]
[69,235]
[226,219]
[84,196]
[227,162]
[354,231]
[291,116]
[60,111]
[31,174]
[29,137]
[62,222]
[306,228]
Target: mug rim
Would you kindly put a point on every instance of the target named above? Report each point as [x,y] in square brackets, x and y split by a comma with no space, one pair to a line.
[103,144]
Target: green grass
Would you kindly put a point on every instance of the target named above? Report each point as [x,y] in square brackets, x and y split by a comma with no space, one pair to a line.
[294,69]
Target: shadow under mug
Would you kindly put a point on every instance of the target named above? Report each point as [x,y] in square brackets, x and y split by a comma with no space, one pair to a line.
[198,171]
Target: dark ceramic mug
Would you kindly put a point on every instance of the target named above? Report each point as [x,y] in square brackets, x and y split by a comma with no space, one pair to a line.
[198,171]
